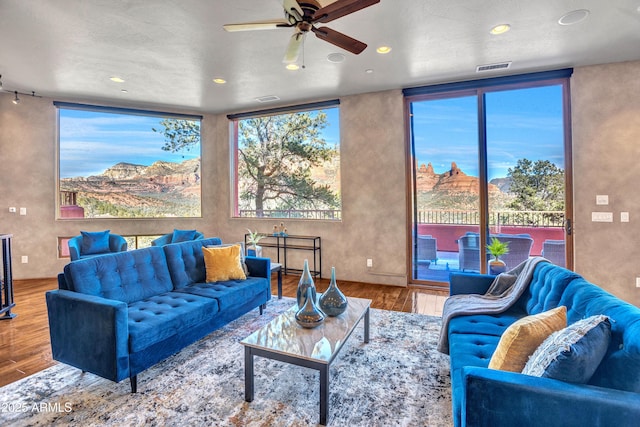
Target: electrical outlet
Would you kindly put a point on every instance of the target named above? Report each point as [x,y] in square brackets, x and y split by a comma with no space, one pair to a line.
[23,211]
[369,262]
[637,282]
[25,259]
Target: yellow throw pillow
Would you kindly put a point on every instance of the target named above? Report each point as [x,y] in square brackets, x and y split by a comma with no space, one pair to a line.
[223,263]
[524,336]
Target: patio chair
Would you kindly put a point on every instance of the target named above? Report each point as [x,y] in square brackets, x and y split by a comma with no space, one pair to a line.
[427,249]
[554,251]
[469,252]
[519,248]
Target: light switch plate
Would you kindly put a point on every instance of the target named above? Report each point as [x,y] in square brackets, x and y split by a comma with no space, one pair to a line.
[624,216]
[602,199]
[601,216]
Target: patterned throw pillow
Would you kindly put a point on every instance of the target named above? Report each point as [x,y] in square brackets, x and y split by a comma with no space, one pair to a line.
[524,336]
[574,353]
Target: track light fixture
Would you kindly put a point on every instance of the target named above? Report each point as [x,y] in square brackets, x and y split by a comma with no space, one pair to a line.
[16,99]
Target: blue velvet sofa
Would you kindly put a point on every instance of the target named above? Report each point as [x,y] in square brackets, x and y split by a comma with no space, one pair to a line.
[118,314]
[488,397]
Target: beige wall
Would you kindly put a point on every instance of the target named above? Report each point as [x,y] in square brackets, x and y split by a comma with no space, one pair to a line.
[606,140]
[372,171]
[606,154]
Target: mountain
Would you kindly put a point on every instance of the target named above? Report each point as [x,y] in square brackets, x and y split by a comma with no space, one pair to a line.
[129,190]
[454,180]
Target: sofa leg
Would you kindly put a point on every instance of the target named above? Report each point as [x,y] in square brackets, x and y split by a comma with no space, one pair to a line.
[261,309]
[134,383]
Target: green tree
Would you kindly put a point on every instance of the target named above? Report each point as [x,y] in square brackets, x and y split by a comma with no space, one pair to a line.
[537,186]
[276,157]
[179,134]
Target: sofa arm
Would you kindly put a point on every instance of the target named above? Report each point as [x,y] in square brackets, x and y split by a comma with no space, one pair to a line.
[469,283]
[89,332]
[258,267]
[498,398]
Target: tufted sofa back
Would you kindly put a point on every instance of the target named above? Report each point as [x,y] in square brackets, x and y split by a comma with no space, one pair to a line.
[553,286]
[186,261]
[123,276]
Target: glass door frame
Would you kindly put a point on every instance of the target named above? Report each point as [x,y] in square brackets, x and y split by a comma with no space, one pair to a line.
[480,88]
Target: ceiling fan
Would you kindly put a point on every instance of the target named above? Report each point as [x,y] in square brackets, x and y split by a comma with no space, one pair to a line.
[302,15]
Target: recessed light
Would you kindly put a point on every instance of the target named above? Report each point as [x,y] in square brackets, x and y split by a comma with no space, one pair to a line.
[124,91]
[292,67]
[368,71]
[574,17]
[219,81]
[335,57]
[116,79]
[383,49]
[500,29]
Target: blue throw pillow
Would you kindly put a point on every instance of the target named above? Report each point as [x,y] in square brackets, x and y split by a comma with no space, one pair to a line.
[183,235]
[94,242]
[574,353]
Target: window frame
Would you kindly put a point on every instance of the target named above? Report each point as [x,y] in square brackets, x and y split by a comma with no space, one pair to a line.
[161,115]
[234,120]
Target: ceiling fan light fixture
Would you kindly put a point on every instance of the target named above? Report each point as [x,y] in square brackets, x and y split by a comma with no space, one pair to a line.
[16,100]
[383,50]
[500,29]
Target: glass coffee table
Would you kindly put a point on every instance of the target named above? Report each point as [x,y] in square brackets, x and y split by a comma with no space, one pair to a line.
[284,340]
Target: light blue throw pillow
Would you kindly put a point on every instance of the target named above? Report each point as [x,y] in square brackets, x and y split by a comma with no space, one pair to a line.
[574,353]
[95,242]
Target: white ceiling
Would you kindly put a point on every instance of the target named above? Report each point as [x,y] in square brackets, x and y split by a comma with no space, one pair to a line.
[168,51]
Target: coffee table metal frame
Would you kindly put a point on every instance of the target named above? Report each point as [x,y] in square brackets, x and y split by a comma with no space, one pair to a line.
[320,365]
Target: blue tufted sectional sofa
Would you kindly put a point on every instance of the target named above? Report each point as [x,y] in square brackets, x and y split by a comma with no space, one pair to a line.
[487,397]
[116,315]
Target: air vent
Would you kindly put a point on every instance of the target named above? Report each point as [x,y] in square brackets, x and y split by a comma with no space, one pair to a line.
[268,98]
[491,67]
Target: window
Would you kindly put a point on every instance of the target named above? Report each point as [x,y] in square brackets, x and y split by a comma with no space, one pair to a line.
[122,163]
[287,163]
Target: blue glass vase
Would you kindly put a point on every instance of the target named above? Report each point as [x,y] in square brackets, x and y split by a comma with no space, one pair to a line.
[333,302]
[306,282]
[309,316]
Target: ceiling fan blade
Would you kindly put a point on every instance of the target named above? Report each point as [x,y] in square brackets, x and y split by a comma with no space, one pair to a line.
[341,8]
[293,8]
[257,25]
[293,49]
[341,40]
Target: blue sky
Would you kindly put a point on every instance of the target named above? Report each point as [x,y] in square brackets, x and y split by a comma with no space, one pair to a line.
[524,123]
[91,142]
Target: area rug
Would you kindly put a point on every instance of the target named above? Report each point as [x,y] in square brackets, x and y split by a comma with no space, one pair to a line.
[397,379]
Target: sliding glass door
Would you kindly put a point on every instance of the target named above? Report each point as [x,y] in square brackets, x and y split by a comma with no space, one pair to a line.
[488,163]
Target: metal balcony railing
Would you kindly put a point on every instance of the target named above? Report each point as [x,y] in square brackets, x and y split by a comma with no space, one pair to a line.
[496,218]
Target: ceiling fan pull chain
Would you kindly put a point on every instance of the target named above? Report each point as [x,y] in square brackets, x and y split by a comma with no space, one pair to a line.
[303,43]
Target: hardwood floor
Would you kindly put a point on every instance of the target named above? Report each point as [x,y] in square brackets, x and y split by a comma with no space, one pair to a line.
[24,340]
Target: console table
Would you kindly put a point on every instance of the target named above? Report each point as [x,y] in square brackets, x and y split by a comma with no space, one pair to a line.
[291,242]
[6,280]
